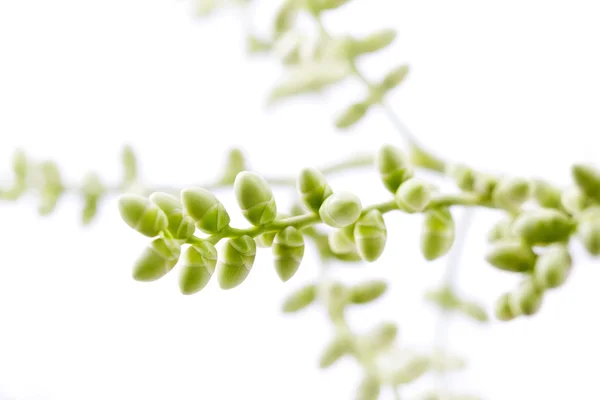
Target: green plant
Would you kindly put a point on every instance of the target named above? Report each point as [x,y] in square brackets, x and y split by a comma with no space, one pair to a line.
[531,241]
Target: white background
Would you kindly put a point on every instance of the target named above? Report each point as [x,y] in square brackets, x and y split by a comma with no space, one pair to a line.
[507,86]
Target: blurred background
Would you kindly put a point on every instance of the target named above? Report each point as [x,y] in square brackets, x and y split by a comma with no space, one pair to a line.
[508,87]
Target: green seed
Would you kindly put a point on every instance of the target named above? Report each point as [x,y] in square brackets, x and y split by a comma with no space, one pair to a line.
[300,299]
[588,230]
[370,235]
[485,184]
[373,42]
[413,195]
[437,236]
[394,78]
[204,208]
[236,260]
[369,388]
[511,255]
[340,242]
[511,193]
[352,115]
[181,226]
[393,166]
[288,250]
[463,176]
[574,201]
[334,351]
[503,310]
[156,260]
[198,266]
[367,292]
[527,298]
[255,198]
[501,230]
[546,195]
[313,188]
[142,215]
[129,165]
[234,164]
[587,179]
[543,226]
[340,209]
[552,267]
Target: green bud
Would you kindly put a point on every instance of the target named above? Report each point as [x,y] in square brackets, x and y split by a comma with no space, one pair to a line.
[129,165]
[237,258]
[474,310]
[527,298]
[157,260]
[20,165]
[204,208]
[284,18]
[413,195]
[411,370]
[588,230]
[89,211]
[543,226]
[504,310]
[255,198]
[142,215]
[334,351]
[546,195]
[381,337]
[300,299]
[511,193]
[340,242]
[266,239]
[437,236]
[552,267]
[373,42]
[92,189]
[393,166]
[181,226]
[288,250]
[52,187]
[337,300]
[587,179]
[501,230]
[235,163]
[367,292]
[370,235]
[352,115]
[340,209]
[394,78]
[313,188]
[369,388]
[443,297]
[485,184]
[199,262]
[463,176]
[574,201]
[511,255]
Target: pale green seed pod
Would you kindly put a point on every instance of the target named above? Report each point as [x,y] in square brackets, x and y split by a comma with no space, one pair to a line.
[527,298]
[340,242]
[553,267]
[236,260]
[574,201]
[382,336]
[543,226]
[352,115]
[546,195]
[503,310]
[501,230]
[181,226]
[413,195]
[370,235]
[129,165]
[394,78]
[587,178]
[485,184]
[588,230]
[300,299]
[204,208]
[411,370]
[313,188]
[373,42]
[198,265]
[334,351]
[340,209]
[369,388]
[157,260]
[463,176]
[393,166]
[474,311]
[511,193]
[234,164]
[444,297]
[255,198]
[142,215]
[437,235]
[367,292]
[511,255]
[288,250]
